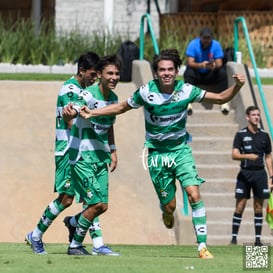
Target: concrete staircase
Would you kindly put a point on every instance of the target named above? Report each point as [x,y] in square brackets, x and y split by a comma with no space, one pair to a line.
[212,140]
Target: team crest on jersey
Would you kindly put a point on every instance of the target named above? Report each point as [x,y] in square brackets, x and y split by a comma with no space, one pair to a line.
[89,194]
[164,194]
[247,138]
[70,94]
[67,184]
[176,97]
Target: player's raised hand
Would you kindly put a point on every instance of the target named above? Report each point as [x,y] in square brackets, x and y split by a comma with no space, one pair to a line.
[239,79]
[69,112]
[85,112]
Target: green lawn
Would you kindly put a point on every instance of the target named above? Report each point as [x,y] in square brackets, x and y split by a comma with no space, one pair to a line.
[18,258]
[33,77]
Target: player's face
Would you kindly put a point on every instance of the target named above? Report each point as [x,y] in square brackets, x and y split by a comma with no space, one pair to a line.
[109,77]
[254,117]
[166,72]
[89,76]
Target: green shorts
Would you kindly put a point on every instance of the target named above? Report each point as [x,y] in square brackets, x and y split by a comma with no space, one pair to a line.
[90,182]
[63,175]
[166,167]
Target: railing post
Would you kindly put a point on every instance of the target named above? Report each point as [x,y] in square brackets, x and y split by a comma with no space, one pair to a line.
[253,61]
[142,38]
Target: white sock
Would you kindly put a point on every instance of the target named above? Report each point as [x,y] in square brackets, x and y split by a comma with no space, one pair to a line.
[74,244]
[97,242]
[37,234]
[201,245]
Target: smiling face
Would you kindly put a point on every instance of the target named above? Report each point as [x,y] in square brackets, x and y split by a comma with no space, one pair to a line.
[109,77]
[166,73]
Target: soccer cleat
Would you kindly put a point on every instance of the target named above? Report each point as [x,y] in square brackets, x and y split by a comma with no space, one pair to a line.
[71,229]
[104,250]
[80,250]
[205,254]
[224,108]
[258,243]
[37,246]
[168,220]
[233,241]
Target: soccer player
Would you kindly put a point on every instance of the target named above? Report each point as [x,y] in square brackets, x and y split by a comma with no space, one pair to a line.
[92,148]
[252,146]
[86,75]
[165,102]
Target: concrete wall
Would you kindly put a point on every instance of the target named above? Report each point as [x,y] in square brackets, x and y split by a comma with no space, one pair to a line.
[88,16]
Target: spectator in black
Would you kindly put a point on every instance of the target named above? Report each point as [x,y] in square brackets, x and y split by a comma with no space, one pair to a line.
[252,146]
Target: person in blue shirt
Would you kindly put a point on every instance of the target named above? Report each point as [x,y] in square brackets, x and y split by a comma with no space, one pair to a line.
[205,64]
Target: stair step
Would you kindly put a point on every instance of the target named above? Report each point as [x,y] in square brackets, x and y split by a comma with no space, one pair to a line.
[207,108]
[225,228]
[213,157]
[218,199]
[214,239]
[209,171]
[212,129]
[218,185]
[211,143]
[213,116]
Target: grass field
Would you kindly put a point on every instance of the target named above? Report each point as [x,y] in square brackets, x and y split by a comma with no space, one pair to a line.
[18,258]
[33,77]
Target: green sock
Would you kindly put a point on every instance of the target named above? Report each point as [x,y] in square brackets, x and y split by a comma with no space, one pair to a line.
[199,221]
[81,230]
[50,214]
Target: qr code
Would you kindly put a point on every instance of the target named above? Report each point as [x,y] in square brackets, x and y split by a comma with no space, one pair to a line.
[257,257]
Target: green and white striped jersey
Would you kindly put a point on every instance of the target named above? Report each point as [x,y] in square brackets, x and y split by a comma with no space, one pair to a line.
[68,93]
[89,138]
[165,114]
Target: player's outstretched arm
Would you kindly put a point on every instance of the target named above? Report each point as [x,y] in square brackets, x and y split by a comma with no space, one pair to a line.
[110,110]
[228,94]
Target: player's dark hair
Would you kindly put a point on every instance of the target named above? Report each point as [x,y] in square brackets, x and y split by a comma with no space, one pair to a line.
[170,54]
[109,60]
[251,108]
[87,61]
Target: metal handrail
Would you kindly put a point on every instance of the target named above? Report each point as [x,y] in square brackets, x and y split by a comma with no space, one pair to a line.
[253,61]
[141,35]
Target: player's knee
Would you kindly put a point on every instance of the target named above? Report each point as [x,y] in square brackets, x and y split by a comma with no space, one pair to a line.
[66,200]
[170,207]
[194,197]
[100,208]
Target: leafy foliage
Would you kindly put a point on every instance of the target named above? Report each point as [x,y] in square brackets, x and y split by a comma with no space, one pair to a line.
[20,43]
